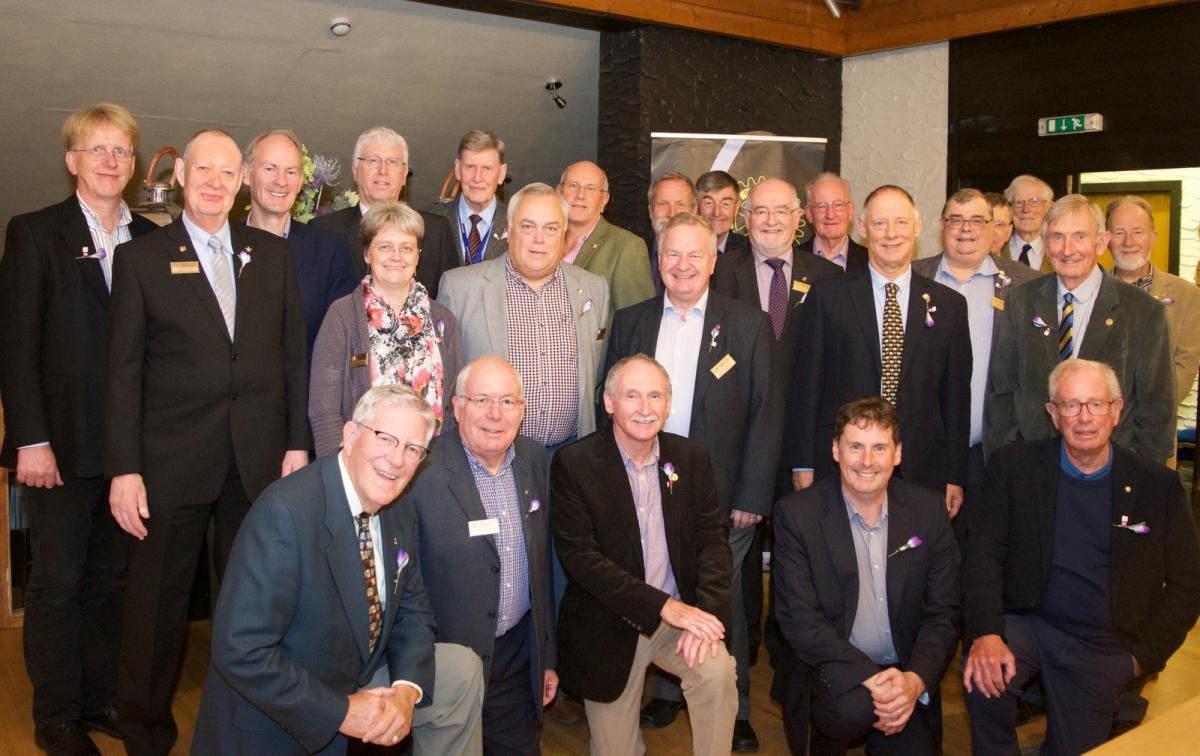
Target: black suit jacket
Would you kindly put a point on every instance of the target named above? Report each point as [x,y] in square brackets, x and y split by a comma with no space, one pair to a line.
[462,574]
[290,638]
[1154,577]
[179,390]
[438,253]
[607,602]
[839,361]
[53,332]
[735,243]
[736,417]
[324,272]
[817,583]
[856,255]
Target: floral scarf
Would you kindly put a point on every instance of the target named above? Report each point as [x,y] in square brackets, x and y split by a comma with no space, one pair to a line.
[404,344]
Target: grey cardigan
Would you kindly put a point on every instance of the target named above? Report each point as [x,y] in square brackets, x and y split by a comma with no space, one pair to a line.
[335,386]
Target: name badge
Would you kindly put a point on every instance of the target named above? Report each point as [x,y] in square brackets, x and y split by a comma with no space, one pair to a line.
[490,526]
[801,286]
[998,303]
[724,366]
[182,268]
[358,360]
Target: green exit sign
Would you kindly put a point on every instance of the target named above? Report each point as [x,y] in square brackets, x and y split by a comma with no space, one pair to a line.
[1072,124]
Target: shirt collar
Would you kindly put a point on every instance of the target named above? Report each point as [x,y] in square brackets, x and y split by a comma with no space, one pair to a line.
[700,307]
[1085,291]
[509,454]
[487,214]
[352,499]
[851,512]
[514,276]
[760,258]
[1144,282]
[124,216]
[830,254]
[200,237]
[878,281]
[628,461]
[986,268]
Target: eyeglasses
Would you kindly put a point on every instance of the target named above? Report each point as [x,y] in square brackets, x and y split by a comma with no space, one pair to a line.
[695,258]
[575,186]
[837,206]
[412,452]
[387,248]
[779,213]
[99,152]
[1034,202]
[505,403]
[375,161]
[957,221]
[1072,407]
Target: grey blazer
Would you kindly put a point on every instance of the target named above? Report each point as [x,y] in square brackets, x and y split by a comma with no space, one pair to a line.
[338,381]
[497,243]
[475,294]
[1181,299]
[1128,330]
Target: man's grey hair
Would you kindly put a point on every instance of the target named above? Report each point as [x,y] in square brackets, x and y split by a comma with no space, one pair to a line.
[1044,190]
[536,189]
[1069,203]
[1128,199]
[464,375]
[380,134]
[692,219]
[827,176]
[248,155]
[1074,364]
[393,395]
[671,176]
[610,380]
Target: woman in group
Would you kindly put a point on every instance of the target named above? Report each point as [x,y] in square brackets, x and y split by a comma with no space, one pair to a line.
[387,330]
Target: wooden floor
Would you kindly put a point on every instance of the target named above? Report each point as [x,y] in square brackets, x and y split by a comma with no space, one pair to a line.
[1178,683]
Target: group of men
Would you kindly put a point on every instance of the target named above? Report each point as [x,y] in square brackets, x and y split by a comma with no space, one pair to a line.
[631,411]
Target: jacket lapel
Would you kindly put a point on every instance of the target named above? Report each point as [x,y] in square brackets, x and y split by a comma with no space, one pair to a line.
[1046,308]
[673,512]
[592,243]
[747,282]
[345,562]
[839,540]
[181,251]
[1103,317]
[900,529]
[714,314]
[1124,504]
[914,330]
[462,483]
[76,236]
[612,470]
[494,307]
[244,274]
[863,300]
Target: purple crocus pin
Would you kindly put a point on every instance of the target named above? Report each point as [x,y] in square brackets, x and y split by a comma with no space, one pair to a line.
[401,563]
[910,544]
[97,255]
[244,256]
[929,310]
[672,476]
[534,506]
[713,334]
[1039,323]
[441,329]
[1141,528]
[587,306]
[1167,300]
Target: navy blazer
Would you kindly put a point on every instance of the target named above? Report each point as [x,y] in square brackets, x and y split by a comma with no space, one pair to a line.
[856,255]
[324,272]
[290,636]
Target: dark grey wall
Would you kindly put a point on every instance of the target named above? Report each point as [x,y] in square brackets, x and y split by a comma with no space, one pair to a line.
[659,79]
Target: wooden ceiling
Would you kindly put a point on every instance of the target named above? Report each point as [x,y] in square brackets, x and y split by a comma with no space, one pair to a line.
[876,25]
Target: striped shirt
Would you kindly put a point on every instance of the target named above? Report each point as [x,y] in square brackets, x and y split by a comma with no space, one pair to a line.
[499,496]
[647,500]
[105,241]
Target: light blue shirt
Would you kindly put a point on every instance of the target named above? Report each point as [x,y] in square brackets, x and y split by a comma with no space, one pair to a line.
[200,239]
[680,339]
[979,290]
[1085,301]
[872,630]
[487,215]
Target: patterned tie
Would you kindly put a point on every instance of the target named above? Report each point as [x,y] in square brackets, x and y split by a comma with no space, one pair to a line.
[893,342]
[1066,329]
[777,301]
[1024,258]
[222,281]
[366,550]
[473,240]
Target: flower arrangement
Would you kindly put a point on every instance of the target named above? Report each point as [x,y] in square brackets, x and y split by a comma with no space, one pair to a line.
[319,172]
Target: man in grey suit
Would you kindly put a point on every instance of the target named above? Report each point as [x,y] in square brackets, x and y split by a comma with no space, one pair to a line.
[546,318]
[598,246]
[985,281]
[482,503]
[477,217]
[1079,311]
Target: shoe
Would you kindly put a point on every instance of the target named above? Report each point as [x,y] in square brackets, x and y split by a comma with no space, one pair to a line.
[105,722]
[567,711]
[745,739]
[64,739]
[659,712]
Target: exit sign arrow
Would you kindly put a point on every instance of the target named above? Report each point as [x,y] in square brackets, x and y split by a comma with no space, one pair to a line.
[1072,124]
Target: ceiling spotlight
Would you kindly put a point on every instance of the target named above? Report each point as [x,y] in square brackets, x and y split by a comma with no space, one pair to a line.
[552,87]
[339,27]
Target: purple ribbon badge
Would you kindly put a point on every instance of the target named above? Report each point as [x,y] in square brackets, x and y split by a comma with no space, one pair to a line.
[534,506]
[1141,528]
[672,476]
[587,306]
[97,255]
[401,563]
[910,544]
[712,337]
[244,256]
[929,310]
[1039,323]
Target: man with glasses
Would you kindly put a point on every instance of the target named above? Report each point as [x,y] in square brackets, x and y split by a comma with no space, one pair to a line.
[1002,224]
[1029,198]
[480,217]
[380,170]
[830,211]
[720,204]
[1083,567]
[324,632]
[592,243]
[54,297]
[1078,311]
[966,266]
[483,506]
[717,352]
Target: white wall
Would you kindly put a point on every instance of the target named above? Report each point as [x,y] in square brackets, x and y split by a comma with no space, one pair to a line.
[894,115]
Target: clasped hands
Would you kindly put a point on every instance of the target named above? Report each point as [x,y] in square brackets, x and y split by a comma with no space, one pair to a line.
[380,715]
[894,695]
[702,633]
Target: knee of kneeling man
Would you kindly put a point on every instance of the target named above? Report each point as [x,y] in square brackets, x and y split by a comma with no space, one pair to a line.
[457,665]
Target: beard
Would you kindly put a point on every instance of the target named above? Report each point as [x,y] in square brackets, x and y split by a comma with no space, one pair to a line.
[1130,263]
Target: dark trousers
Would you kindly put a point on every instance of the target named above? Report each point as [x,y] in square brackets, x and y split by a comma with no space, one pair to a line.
[511,716]
[73,600]
[843,720]
[1082,684]
[154,628]
[973,493]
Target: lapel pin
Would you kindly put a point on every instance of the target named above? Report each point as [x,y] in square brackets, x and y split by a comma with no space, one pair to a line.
[182,248]
[1108,322]
[1128,489]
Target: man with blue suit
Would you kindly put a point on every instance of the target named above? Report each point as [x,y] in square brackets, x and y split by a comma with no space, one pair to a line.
[274,174]
[309,647]
[478,218]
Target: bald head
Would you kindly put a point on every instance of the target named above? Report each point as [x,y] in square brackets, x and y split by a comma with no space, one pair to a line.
[584,186]
[772,215]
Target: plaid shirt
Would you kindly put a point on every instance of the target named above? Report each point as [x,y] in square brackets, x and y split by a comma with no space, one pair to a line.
[499,496]
[647,500]
[1144,282]
[542,346]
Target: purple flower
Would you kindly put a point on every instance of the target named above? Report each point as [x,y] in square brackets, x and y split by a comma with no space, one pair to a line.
[441,329]
[534,506]
[98,255]
[587,306]
[929,310]
[1039,323]
[244,256]
[1141,528]
[672,477]
[910,544]
[401,563]
[1168,300]
[713,334]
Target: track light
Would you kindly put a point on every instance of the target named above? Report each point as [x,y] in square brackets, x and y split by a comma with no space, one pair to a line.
[552,87]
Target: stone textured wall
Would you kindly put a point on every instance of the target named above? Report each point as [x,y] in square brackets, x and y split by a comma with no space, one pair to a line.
[894,111]
[659,79]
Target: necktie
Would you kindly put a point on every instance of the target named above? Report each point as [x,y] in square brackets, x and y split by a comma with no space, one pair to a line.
[366,550]
[777,300]
[473,240]
[222,281]
[1066,329]
[893,343]
[1024,258]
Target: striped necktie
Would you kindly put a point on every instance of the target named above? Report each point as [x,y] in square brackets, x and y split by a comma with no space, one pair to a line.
[366,550]
[473,240]
[1066,329]
[222,282]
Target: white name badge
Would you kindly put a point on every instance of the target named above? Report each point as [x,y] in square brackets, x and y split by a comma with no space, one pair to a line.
[490,526]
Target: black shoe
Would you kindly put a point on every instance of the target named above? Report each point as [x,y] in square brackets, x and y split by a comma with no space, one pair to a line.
[64,739]
[105,722]
[744,737]
[567,711]
[659,712]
